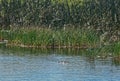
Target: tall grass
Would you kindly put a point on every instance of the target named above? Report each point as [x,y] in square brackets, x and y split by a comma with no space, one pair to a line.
[63,38]
[48,37]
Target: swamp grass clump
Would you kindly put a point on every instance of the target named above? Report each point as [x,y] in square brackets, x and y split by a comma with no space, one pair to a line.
[115,48]
[42,37]
[112,51]
[78,38]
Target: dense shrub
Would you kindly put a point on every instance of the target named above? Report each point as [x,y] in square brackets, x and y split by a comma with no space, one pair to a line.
[53,13]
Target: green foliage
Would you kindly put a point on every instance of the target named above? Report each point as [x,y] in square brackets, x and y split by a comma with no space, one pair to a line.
[116,48]
[90,18]
[63,38]
[48,37]
[95,13]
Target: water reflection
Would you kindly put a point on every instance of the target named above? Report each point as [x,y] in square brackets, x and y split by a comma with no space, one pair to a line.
[58,65]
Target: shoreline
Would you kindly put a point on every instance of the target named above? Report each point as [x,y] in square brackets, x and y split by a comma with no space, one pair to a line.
[50,46]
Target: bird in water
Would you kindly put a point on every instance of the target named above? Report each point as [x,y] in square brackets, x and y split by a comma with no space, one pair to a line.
[63,62]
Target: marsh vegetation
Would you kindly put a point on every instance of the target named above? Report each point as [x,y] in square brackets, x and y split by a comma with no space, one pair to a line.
[92,24]
[59,40]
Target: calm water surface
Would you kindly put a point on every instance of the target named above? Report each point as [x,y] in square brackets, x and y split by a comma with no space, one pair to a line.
[27,66]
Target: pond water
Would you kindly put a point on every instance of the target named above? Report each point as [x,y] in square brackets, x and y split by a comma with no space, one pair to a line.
[27,65]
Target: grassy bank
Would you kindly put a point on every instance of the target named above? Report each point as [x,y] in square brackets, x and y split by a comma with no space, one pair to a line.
[63,38]
[42,37]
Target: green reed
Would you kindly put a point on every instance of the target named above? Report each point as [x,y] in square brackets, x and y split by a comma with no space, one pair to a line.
[48,37]
[61,38]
